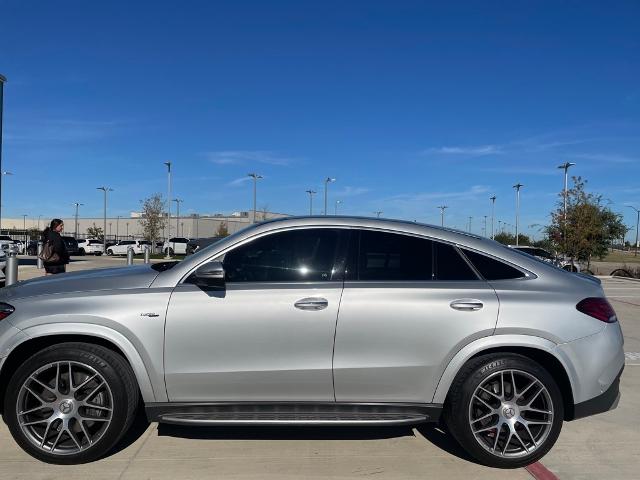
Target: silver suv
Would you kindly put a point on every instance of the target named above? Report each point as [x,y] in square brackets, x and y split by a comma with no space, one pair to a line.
[323,321]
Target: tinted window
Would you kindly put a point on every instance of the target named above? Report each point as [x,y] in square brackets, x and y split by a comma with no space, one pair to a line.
[391,256]
[178,240]
[127,242]
[294,256]
[95,242]
[449,264]
[492,269]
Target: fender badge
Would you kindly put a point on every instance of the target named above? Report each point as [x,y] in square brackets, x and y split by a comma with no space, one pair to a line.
[149,314]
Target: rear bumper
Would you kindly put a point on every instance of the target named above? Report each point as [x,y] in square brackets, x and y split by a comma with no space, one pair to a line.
[600,404]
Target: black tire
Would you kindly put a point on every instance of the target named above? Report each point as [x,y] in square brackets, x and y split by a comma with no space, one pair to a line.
[110,252]
[171,251]
[119,379]
[458,409]
[81,252]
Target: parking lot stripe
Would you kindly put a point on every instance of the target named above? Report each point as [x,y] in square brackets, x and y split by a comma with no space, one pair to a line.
[540,472]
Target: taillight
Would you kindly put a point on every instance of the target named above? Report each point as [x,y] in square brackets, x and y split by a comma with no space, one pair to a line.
[5,310]
[599,308]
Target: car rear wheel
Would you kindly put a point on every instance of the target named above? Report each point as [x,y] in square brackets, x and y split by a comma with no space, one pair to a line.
[70,403]
[81,252]
[110,252]
[505,410]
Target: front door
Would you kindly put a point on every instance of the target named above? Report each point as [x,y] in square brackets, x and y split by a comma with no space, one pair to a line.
[268,335]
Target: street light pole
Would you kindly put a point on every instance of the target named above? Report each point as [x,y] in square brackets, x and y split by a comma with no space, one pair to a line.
[517,186]
[327,181]
[255,177]
[442,209]
[2,174]
[178,202]
[637,223]
[565,193]
[168,232]
[378,213]
[311,194]
[104,243]
[2,82]
[470,218]
[24,229]
[493,210]
[485,226]
[336,209]
[75,232]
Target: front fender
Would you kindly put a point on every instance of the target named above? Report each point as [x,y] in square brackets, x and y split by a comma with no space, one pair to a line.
[150,391]
[487,343]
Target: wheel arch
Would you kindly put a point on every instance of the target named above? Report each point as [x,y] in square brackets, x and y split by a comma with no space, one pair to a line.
[537,349]
[121,346]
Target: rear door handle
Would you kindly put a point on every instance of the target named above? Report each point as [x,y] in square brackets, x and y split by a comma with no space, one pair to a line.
[312,303]
[466,305]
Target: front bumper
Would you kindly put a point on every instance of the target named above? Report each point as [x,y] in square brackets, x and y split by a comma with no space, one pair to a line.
[600,404]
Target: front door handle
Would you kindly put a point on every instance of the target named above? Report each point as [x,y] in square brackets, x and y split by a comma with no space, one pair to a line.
[312,303]
[466,305]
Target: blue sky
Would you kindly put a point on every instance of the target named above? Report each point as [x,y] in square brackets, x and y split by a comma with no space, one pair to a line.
[409,104]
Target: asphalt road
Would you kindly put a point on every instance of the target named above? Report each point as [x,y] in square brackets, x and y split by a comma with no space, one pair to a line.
[604,446]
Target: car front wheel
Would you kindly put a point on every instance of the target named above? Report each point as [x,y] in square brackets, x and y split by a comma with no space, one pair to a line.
[505,410]
[70,403]
[110,252]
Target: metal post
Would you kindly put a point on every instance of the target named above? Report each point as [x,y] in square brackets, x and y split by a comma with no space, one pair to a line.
[470,218]
[104,232]
[75,231]
[255,177]
[327,181]
[565,194]
[493,210]
[130,256]
[168,232]
[147,254]
[442,208]
[637,223]
[39,262]
[11,270]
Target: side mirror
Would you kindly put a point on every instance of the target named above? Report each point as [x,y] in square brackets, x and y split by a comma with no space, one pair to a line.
[210,274]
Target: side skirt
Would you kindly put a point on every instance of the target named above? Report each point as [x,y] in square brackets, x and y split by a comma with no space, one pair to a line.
[293,413]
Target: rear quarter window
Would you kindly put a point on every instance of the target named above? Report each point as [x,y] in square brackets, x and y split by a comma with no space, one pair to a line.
[492,269]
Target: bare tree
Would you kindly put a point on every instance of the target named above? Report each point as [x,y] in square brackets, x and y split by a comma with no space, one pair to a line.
[153,220]
[95,232]
[222,231]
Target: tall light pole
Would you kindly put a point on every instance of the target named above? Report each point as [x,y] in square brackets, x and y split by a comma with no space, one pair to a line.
[517,186]
[637,222]
[255,177]
[485,226]
[127,236]
[104,243]
[168,233]
[2,82]
[24,229]
[118,226]
[39,217]
[311,194]
[75,231]
[338,202]
[327,181]
[442,209]
[493,211]
[565,166]
[2,174]
[470,218]
[178,202]
[378,213]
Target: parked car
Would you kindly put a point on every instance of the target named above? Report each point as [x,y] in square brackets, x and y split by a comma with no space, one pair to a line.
[71,244]
[546,256]
[90,246]
[5,242]
[313,320]
[19,246]
[177,245]
[3,264]
[32,248]
[123,246]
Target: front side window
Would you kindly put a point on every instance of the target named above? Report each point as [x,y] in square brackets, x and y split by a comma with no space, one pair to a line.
[305,255]
[393,257]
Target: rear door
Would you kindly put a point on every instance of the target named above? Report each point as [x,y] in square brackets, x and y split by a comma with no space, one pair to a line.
[409,303]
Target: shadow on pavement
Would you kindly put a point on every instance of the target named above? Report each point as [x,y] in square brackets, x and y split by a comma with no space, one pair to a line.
[33,261]
[138,427]
[444,441]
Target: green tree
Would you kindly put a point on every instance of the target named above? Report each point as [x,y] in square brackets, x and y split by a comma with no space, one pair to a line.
[153,219]
[95,232]
[510,239]
[590,226]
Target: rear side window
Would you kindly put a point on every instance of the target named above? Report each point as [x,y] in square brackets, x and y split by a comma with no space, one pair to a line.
[492,269]
[449,264]
[394,257]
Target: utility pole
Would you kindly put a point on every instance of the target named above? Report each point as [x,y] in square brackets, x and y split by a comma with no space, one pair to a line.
[104,234]
[485,226]
[442,209]
[2,82]
[565,166]
[327,181]
[517,186]
[470,218]
[75,232]
[493,211]
[311,194]
[637,223]
[255,177]
[338,202]
[168,232]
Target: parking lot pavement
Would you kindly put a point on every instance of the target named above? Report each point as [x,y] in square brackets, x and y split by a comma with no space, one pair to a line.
[603,446]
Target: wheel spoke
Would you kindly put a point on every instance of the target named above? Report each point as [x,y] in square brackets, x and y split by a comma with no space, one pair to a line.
[45,434]
[84,431]
[506,445]
[483,417]
[79,387]
[58,377]
[70,433]
[70,379]
[484,429]
[44,385]
[490,393]
[534,397]
[93,392]
[495,444]
[35,422]
[513,385]
[97,407]
[520,440]
[27,412]
[526,426]
[38,397]
[536,410]
[533,382]
[504,396]
[484,403]
[53,445]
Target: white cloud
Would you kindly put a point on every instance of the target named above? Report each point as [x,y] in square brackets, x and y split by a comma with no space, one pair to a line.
[238,181]
[474,151]
[349,191]
[605,157]
[243,157]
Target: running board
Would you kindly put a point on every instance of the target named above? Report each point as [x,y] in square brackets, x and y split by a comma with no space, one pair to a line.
[321,414]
